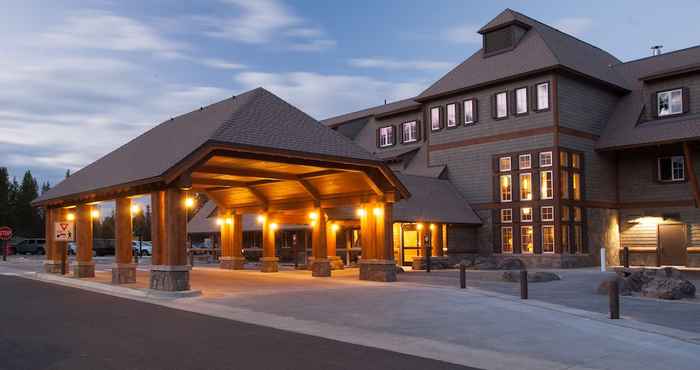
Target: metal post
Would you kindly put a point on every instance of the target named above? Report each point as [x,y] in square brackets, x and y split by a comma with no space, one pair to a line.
[462,276]
[140,251]
[523,284]
[4,250]
[602,259]
[428,252]
[626,256]
[614,295]
[64,257]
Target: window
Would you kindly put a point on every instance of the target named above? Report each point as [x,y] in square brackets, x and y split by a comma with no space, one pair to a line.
[548,239]
[546,187]
[526,186]
[565,213]
[578,214]
[451,115]
[469,111]
[435,123]
[526,242]
[671,169]
[546,159]
[542,96]
[547,213]
[564,159]
[578,239]
[507,215]
[576,160]
[386,136]
[501,105]
[521,100]
[526,214]
[564,182]
[576,185]
[669,102]
[506,195]
[410,132]
[507,239]
[504,164]
[524,161]
[565,237]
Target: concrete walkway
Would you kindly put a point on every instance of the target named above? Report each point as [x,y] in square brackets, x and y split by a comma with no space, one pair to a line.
[470,327]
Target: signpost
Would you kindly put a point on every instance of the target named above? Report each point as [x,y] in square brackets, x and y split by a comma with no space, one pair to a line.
[64,231]
[5,235]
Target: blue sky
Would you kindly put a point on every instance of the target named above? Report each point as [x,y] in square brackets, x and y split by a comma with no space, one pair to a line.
[80,78]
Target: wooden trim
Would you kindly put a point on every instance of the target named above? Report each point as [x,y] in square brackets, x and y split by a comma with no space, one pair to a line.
[577,133]
[690,169]
[590,204]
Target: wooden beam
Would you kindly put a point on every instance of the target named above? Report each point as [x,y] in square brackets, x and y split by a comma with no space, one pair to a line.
[372,184]
[313,193]
[259,196]
[219,183]
[690,168]
[246,172]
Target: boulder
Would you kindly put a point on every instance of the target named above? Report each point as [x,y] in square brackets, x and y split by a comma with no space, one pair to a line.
[532,277]
[511,264]
[479,263]
[668,288]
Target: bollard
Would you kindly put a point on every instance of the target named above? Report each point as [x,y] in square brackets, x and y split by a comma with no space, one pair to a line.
[462,276]
[64,257]
[191,257]
[523,284]
[614,294]
[4,251]
[626,256]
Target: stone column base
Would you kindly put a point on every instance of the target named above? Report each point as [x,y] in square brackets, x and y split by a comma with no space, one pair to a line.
[232,263]
[123,273]
[170,278]
[336,263]
[83,269]
[54,267]
[269,264]
[378,270]
[321,268]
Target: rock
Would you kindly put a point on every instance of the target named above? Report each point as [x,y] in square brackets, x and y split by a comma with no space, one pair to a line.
[533,277]
[663,289]
[511,264]
[669,272]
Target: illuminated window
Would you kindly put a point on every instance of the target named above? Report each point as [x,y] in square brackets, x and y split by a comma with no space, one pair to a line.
[547,213]
[565,237]
[501,105]
[451,115]
[524,161]
[669,102]
[563,159]
[410,132]
[507,215]
[504,164]
[521,100]
[546,186]
[435,123]
[545,159]
[526,214]
[507,239]
[578,239]
[578,214]
[564,181]
[386,136]
[576,160]
[526,186]
[542,96]
[548,239]
[526,240]
[576,185]
[565,213]
[506,188]
[469,111]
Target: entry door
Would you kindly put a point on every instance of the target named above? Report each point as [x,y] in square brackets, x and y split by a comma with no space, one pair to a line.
[409,244]
[672,244]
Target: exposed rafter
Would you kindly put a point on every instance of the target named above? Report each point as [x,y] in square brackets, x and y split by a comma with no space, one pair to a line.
[313,193]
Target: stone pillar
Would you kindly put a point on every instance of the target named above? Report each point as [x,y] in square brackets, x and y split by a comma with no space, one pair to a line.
[331,245]
[55,250]
[123,270]
[436,239]
[169,270]
[269,260]
[83,266]
[321,266]
[232,241]
[377,241]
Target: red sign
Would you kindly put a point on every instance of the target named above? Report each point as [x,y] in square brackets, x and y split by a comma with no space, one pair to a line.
[5,233]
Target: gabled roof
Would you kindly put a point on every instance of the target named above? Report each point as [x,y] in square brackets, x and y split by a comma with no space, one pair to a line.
[541,48]
[204,221]
[397,106]
[433,200]
[256,118]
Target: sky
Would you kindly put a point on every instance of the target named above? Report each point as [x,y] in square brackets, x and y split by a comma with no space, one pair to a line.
[80,78]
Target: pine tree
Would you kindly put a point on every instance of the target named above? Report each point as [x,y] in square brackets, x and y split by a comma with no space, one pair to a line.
[5,187]
[28,222]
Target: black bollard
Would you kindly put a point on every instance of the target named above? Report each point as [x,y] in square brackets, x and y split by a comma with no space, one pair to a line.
[4,250]
[523,284]
[626,256]
[462,276]
[614,294]
[64,257]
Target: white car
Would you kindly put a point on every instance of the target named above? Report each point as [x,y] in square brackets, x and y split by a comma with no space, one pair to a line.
[146,248]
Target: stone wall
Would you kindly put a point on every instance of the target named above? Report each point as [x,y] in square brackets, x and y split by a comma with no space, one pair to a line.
[604,232]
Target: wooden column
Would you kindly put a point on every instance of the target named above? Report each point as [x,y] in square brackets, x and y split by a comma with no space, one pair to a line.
[123,270]
[269,259]
[332,231]
[377,224]
[436,239]
[231,241]
[367,232]
[320,267]
[169,270]
[55,250]
[83,266]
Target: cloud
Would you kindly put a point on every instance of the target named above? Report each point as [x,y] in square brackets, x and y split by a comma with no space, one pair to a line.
[574,25]
[326,95]
[466,34]
[221,64]
[313,45]
[393,64]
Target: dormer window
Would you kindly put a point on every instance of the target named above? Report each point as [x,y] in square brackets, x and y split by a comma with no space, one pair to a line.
[385,136]
[502,38]
[669,102]
[409,130]
[435,118]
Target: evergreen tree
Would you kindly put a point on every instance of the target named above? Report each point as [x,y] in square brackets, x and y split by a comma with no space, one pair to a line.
[5,188]
[28,222]
[45,187]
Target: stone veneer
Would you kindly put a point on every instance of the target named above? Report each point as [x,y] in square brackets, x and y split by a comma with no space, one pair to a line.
[378,270]
[123,273]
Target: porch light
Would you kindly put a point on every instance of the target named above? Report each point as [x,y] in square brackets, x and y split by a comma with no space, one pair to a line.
[219,221]
[312,223]
[95,213]
[189,202]
[432,226]
[273,226]
[229,221]
[135,209]
[419,226]
[313,216]
[361,212]
[377,211]
[335,227]
[261,219]
[70,217]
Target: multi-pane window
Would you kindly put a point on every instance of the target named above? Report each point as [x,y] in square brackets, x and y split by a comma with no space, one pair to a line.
[565,216]
[507,215]
[410,132]
[565,237]
[546,159]
[578,239]
[526,239]
[507,239]
[547,213]
[504,164]
[526,186]
[526,214]
[564,159]
[506,188]
[524,161]
[521,100]
[669,102]
[469,111]
[576,160]
[435,119]
[451,115]
[548,239]
[502,105]
[578,214]
[542,96]
[576,185]
[386,136]
[564,180]
[546,187]
[671,169]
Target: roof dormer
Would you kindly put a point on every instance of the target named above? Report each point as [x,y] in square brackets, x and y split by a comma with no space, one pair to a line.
[503,32]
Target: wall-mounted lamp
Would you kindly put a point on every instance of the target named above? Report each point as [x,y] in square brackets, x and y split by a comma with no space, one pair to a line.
[135,209]
[189,202]
[377,211]
[361,212]
[261,219]
[95,214]
[70,217]
[419,226]
[219,221]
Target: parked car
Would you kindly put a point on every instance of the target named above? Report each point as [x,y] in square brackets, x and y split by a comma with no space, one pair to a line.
[31,246]
[103,247]
[146,248]
[72,247]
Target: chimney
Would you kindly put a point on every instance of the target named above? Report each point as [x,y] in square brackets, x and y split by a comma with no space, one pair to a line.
[656,50]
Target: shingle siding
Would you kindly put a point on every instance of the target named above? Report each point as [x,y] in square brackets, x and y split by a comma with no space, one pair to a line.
[691,81]
[599,169]
[584,106]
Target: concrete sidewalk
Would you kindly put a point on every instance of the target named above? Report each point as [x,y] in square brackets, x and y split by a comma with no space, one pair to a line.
[469,327]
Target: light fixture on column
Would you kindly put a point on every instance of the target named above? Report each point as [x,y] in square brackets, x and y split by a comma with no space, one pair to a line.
[432,226]
[335,227]
[261,219]
[189,202]
[361,212]
[273,226]
[135,209]
[377,211]
[70,217]
[95,214]
[313,216]
[419,226]
[219,221]
[229,221]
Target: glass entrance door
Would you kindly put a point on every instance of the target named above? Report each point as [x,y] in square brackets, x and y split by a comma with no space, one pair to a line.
[409,244]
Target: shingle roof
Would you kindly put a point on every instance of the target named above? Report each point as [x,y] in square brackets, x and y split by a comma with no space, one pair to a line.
[542,47]
[204,222]
[255,118]
[399,105]
[433,200]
